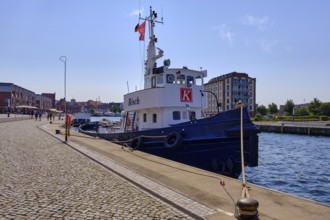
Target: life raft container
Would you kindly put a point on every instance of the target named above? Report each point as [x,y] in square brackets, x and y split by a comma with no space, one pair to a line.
[173,140]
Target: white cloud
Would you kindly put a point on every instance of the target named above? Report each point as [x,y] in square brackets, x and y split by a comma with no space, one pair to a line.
[267,45]
[136,12]
[261,23]
[288,48]
[224,33]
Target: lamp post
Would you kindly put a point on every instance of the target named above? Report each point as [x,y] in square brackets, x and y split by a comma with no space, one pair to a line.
[63,59]
[8,107]
[216,98]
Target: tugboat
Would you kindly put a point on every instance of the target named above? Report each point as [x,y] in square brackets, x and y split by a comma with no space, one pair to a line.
[165,118]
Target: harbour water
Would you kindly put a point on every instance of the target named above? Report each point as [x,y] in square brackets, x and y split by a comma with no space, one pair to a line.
[294,164]
[98,118]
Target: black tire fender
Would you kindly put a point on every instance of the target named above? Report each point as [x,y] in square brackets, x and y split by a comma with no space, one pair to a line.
[173,140]
[136,143]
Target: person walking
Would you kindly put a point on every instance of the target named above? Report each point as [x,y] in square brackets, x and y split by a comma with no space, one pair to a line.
[36,114]
[40,114]
[50,116]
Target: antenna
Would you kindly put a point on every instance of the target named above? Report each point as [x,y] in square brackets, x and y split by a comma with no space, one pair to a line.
[139,10]
[127,87]
[162,12]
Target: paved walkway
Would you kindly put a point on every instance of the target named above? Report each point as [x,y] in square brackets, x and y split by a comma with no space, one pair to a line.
[13,117]
[42,178]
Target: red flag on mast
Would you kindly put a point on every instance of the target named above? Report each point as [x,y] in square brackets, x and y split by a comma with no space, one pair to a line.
[141,29]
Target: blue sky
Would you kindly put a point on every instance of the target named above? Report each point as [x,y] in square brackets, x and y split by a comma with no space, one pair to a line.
[285,45]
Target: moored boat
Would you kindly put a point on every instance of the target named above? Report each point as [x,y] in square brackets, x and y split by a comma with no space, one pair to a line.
[79,119]
[165,118]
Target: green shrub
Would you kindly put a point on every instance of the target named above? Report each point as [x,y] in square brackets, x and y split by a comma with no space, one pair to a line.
[258,117]
[324,118]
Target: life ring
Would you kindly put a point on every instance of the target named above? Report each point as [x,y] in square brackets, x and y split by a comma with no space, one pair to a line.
[136,143]
[173,140]
[128,122]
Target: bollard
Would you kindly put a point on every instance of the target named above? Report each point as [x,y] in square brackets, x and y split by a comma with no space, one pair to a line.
[247,209]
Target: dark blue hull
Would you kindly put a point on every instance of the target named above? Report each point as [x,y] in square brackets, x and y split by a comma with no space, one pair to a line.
[212,143]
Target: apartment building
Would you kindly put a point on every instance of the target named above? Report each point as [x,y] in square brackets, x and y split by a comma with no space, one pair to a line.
[43,102]
[225,91]
[12,95]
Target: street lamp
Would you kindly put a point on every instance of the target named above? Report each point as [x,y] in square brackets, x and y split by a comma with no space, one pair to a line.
[216,98]
[63,59]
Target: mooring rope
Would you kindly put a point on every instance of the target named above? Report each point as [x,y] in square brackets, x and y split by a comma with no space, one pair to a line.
[245,193]
[246,207]
[125,143]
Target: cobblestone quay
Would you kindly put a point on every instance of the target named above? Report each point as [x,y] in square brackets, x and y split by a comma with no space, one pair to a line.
[43,178]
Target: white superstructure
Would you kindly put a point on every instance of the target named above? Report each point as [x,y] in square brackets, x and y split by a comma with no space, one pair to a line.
[170,95]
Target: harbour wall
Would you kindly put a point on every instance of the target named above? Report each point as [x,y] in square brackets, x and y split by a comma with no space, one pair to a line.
[304,129]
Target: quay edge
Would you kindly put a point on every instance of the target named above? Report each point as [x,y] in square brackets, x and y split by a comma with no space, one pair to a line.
[295,128]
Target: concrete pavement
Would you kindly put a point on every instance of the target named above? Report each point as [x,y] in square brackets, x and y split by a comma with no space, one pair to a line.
[42,178]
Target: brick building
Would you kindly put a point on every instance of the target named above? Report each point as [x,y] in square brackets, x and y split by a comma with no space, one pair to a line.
[12,96]
[52,96]
[43,102]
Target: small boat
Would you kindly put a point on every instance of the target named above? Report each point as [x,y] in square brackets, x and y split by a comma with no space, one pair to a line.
[105,123]
[97,114]
[165,118]
[79,119]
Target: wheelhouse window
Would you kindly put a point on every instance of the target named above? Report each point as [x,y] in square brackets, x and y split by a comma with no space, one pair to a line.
[154,118]
[199,81]
[176,115]
[190,81]
[181,79]
[144,117]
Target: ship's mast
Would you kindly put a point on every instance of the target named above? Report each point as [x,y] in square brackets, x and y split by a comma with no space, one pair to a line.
[151,51]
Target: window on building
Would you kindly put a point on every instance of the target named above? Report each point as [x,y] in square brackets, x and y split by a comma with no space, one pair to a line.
[144,117]
[176,115]
[154,118]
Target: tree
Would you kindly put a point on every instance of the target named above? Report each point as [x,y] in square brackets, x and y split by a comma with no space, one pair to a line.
[91,110]
[314,106]
[288,107]
[262,110]
[272,108]
[116,108]
[325,109]
[301,112]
